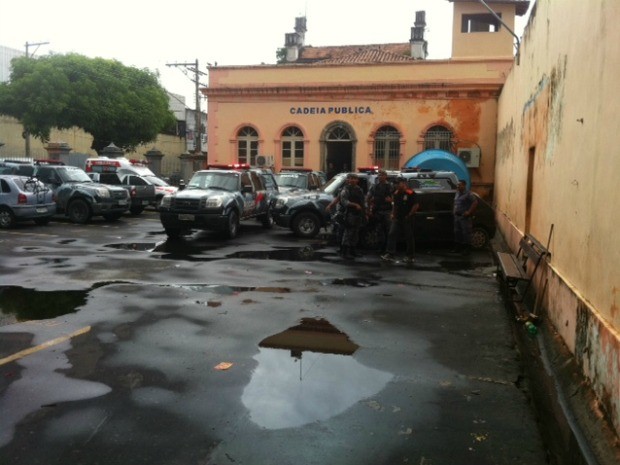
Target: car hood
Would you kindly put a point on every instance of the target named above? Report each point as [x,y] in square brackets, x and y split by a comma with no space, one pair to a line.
[200,193]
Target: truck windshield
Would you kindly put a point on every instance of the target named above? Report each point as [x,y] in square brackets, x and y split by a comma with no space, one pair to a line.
[214,180]
[291,180]
[70,174]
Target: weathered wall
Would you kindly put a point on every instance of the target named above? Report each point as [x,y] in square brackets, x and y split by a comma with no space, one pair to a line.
[557,164]
[411,97]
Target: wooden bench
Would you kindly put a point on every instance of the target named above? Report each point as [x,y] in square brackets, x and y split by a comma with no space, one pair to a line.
[514,269]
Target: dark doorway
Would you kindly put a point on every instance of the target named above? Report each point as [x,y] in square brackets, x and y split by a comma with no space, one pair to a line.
[338,157]
[338,151]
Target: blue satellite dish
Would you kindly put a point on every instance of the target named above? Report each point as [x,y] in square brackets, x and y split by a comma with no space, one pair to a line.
[440,160]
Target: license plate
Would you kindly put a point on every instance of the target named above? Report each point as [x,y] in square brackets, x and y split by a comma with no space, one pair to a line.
[183,217]
[41,210]
[122,202]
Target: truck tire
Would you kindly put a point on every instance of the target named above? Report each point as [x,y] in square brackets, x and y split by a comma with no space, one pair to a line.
[266,220]
[79,212]
[306,225]
[479,237]
[372,236]
[232,225]
[7,218]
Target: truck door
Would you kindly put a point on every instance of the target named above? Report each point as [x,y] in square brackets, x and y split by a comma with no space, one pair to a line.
[249,195]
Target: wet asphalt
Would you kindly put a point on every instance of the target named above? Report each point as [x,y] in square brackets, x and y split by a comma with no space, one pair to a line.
[119,347]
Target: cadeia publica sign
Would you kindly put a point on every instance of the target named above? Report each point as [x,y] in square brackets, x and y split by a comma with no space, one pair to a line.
[357,110]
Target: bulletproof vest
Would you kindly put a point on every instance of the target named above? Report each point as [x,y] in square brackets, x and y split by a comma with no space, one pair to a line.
[355,194]
[379,192]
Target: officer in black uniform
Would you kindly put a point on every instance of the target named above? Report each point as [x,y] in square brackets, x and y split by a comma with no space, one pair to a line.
[379,200]
[353,202]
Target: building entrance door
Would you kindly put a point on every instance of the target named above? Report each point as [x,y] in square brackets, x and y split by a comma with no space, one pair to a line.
[338,151]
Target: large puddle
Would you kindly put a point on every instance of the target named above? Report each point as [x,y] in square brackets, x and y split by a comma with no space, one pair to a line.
[306,374]
[28,304]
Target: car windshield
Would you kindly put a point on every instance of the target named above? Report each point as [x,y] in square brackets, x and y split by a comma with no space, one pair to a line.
[334,184]
[70,174]
[430,184]
[214,180]
[291,180]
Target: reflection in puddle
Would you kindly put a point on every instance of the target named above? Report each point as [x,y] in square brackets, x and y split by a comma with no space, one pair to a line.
[312,379]
[353,282]
[183,250]
[139,246]
[220,289]
[307,253]
[28,304]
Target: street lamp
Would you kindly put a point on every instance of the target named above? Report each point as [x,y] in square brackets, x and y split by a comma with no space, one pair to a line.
[26,133]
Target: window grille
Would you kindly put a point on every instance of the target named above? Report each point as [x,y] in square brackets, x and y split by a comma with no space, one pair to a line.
[438,137]
[387,148]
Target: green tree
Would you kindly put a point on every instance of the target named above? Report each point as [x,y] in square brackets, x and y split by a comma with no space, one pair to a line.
[281,55]
[110,101]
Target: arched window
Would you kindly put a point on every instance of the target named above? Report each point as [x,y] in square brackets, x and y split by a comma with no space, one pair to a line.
[338,134]
[292,147]
[387,148]
[247,145]
[438,137]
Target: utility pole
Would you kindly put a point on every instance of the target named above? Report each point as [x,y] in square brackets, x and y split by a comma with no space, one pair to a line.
[26,133]
[198,133]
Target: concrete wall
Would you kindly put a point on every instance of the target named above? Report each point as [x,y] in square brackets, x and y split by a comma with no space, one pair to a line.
[79,141]
[557,164]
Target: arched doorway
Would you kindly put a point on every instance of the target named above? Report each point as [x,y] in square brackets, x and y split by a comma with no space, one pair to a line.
[338,148]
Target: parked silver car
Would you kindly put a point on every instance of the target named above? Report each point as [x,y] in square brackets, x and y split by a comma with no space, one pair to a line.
[24,199]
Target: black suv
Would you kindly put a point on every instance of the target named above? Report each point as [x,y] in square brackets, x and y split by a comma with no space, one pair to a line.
[304,212]
[77,196]
[216,199]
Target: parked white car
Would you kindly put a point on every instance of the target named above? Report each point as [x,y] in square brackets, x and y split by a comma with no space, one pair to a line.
[24,199]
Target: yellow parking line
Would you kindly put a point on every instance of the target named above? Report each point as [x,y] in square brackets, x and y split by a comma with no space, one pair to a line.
[45,345]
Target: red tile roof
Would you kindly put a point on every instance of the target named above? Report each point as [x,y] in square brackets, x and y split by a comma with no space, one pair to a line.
[376,53]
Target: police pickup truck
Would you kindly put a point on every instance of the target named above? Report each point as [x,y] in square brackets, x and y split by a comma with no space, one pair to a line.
[78,197]
[141,191]
[216,199]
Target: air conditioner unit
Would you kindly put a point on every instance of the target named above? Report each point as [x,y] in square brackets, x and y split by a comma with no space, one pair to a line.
[471,157]
[264,161]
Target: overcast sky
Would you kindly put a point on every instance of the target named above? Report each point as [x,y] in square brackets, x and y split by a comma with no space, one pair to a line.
[151,34]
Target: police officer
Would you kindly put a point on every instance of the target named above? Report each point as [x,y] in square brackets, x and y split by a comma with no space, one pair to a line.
[403,214]
[353,202]
[465,204]
[379,200]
